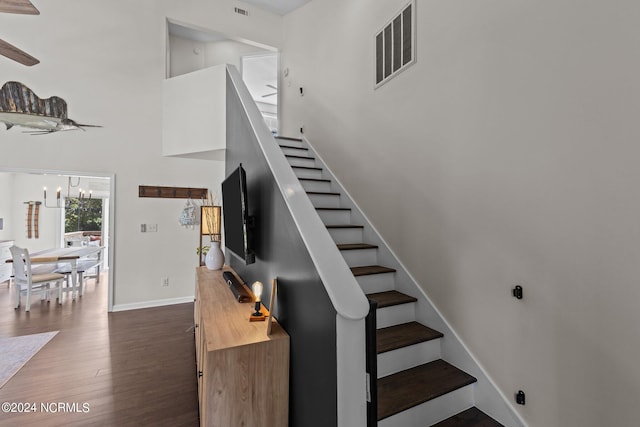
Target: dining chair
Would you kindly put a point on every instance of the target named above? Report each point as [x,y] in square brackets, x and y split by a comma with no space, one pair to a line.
[28,283]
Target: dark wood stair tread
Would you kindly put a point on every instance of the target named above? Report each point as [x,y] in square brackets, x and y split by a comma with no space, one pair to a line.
[472,417]
[366,270]
[406,389]
[307,167]
[323,193]
[291,156]
[288,138]
[293,147]
[354,246]
[333,209]
[345,226]
[314,179]
[389,298]
[404,335]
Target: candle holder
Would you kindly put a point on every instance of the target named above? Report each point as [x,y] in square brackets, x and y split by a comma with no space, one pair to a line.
[82,195]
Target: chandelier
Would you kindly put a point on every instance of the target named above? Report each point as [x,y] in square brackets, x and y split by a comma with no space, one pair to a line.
[58,204]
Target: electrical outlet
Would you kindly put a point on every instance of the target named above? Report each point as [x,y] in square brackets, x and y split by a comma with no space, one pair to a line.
[164,281]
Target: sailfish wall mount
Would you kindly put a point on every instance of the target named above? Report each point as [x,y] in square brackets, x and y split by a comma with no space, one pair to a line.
[20,106]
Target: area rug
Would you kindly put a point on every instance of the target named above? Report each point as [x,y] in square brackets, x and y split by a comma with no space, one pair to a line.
[16,351]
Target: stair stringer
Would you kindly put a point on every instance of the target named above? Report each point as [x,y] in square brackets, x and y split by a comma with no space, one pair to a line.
[487,396]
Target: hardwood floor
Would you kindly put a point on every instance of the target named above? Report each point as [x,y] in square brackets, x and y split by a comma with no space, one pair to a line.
[131,368]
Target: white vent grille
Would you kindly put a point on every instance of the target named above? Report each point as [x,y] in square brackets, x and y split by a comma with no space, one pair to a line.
[241,11]
[395,45]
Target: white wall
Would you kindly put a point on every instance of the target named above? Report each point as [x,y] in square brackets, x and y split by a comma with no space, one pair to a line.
[6,194]
[507,154]
[107,60]
[202,127]
[185,55]
[190,55]
[229,52]
[28,187]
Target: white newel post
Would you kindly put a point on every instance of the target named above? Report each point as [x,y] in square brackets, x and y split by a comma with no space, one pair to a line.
[351,367]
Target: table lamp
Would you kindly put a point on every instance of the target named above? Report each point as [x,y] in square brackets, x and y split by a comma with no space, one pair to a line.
[256,288]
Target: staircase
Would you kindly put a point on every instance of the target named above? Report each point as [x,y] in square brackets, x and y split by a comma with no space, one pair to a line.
[415,387]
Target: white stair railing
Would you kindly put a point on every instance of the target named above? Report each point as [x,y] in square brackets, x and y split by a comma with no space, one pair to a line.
[342,288]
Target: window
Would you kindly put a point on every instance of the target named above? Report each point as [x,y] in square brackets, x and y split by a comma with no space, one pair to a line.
[83,215]
[395,45]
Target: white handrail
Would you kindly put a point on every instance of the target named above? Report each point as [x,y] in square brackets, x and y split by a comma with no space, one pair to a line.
[341,286]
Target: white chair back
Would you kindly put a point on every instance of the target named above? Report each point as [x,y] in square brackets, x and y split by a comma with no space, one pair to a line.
[28,283]
[21,264]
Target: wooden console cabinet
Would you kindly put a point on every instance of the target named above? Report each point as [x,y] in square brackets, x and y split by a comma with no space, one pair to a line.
[243,374]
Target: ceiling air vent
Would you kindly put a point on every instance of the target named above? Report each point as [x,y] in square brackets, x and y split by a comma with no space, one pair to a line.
[395,44]
[241,11]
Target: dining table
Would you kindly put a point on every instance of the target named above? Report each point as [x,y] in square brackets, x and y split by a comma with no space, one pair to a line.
[72,261]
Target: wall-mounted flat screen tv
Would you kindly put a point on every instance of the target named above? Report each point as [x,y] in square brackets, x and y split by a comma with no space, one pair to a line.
[237,222]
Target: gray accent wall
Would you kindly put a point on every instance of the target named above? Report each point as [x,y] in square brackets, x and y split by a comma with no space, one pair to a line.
[303,307]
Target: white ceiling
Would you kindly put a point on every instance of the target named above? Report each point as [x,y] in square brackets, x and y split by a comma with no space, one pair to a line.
[280,7]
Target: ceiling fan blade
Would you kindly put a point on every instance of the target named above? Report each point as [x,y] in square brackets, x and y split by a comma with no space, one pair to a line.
[269,94]
[271,86]
[12,52]
[23,7]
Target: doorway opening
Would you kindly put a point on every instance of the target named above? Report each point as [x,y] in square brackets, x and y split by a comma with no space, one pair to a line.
[260,74]
[74,210]
[191,48]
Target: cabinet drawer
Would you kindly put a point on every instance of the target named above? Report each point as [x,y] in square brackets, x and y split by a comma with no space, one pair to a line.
[5,253]
[5,272]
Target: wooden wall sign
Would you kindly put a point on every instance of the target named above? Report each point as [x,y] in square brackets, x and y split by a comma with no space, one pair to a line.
[172,192]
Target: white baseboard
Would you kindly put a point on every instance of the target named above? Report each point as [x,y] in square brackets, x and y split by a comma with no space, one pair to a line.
[153,303]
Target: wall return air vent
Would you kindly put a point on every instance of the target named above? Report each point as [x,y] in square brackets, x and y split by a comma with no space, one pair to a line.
[395,45]
[241,11]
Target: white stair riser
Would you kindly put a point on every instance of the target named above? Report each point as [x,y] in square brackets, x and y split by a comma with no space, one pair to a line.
[433,411]
[325,200]
[376,282]
[356,257]
[316,185]
[291,143]
[308,173]
[346,235]
[403,358]
[395,315]
[294,152]
[295,161]
[335,217]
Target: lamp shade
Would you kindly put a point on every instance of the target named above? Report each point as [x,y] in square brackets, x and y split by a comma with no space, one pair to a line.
[211,222]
